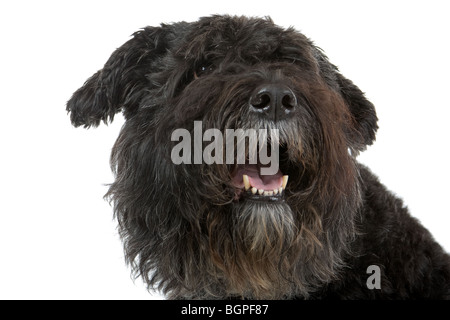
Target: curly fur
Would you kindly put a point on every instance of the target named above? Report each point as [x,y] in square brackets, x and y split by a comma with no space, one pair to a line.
[183,230]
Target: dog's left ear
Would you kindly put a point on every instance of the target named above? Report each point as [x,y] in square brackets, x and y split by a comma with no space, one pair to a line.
[120,84]
[362,110]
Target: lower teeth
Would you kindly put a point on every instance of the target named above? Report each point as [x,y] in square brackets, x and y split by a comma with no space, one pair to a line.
[265,192]
[269,193]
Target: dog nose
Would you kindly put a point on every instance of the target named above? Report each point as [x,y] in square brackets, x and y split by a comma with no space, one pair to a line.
[273,100]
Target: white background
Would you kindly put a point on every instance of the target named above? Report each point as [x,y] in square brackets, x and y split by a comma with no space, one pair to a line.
[57,236]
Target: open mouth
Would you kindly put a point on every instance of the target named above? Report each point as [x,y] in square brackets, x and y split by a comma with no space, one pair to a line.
[250,184]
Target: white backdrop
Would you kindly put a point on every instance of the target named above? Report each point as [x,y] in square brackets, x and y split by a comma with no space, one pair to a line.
[57,236]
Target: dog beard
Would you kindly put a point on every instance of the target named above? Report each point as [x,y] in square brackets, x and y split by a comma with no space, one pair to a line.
[263,228]
[256,258]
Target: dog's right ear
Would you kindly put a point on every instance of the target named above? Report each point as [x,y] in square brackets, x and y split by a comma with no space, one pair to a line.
[120,84]
[362,110]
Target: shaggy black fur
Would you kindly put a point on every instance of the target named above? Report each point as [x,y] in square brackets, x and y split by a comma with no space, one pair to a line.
[190,230]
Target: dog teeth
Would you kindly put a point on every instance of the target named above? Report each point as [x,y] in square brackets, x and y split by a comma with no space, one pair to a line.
[262,192]
[285,181]
[246,182]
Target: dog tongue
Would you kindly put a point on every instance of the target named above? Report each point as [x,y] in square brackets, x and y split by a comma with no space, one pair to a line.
[264,182]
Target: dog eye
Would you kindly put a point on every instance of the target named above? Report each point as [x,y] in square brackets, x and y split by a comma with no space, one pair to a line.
[203,70]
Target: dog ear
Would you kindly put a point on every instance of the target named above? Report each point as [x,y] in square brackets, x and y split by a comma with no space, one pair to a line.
[362,110]
[119,85]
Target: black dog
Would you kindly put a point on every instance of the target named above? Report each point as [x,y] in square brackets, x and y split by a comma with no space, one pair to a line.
[224,230]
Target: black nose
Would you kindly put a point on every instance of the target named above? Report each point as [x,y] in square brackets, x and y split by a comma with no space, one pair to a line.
[275,101]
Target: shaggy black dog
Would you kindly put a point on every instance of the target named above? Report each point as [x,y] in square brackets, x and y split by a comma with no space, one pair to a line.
[224,230]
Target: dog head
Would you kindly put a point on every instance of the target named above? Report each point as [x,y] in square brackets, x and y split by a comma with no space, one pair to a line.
[221,229]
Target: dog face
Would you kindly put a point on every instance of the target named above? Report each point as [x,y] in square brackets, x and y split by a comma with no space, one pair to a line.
[194,229]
